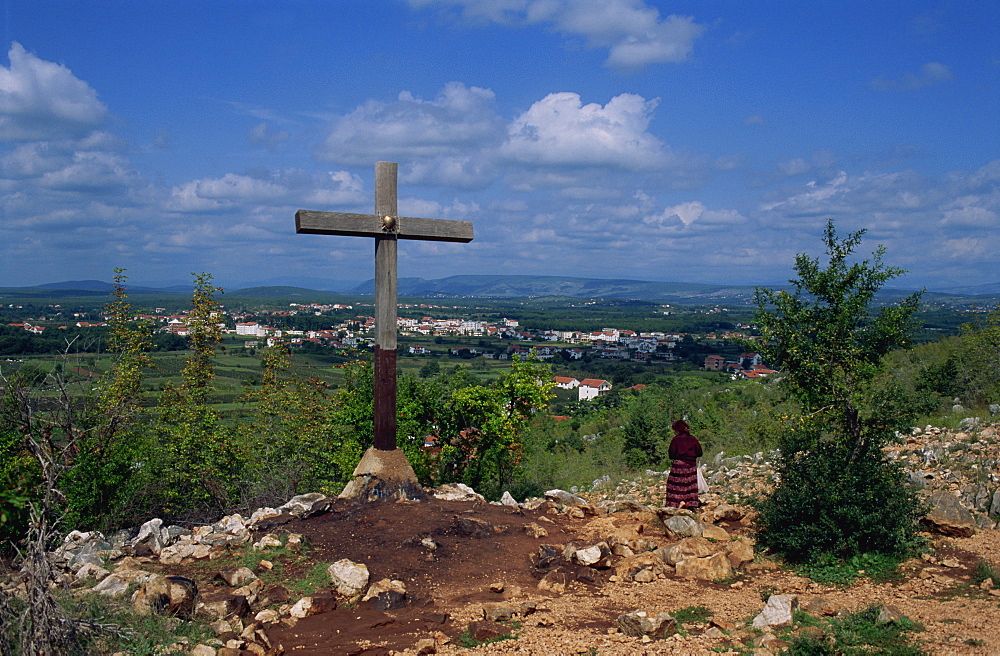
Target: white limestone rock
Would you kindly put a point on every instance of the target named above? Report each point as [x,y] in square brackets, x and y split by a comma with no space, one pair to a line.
[348,578]
[778,612]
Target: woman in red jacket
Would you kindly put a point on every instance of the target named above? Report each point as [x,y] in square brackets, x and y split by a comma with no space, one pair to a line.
[682,481]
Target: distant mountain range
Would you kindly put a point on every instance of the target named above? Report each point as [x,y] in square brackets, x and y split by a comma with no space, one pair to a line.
[493,286]
[104,287]
[487,286]
[681,293]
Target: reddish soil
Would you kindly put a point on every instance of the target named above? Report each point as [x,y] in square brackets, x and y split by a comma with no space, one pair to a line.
[386,537]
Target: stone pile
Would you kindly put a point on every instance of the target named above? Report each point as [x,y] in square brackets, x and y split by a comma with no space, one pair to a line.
[963,464]
[620,548]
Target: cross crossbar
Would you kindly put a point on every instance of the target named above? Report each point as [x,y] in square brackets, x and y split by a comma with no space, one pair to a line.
[310,222]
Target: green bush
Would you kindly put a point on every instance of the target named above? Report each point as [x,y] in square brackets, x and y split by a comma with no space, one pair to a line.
[19,477]
[103,486]
[837,494]
[830,506]
[831,571]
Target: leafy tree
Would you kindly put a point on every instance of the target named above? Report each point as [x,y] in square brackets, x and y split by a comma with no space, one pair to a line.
[353,413]
[479,427]
[940,376]
[20,472]
[646,428]
[430,369]
[70,452]
[31,374]
[838,494]
[103,479]
[420,406]
[483,431]
[292,448]
[198,457]
[82,467]
[351,417]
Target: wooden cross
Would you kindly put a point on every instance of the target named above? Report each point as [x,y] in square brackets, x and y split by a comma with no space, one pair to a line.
[386,227]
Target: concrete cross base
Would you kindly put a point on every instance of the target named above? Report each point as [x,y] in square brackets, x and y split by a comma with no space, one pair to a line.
[383,476]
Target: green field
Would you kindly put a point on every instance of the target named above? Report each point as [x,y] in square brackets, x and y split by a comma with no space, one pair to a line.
[238,369]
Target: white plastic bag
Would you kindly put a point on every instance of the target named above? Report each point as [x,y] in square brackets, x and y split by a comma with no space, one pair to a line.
[702,484]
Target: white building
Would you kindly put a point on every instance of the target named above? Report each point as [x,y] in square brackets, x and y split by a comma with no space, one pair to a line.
[591,388]
[251,329]
[565,382]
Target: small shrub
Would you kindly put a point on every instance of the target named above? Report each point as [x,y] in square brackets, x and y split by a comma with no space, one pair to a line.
[766,591]
[828,570]
[986,570]
[827,505]
[802,618]
[526,489]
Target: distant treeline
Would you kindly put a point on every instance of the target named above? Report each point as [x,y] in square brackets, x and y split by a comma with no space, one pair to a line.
[14,340]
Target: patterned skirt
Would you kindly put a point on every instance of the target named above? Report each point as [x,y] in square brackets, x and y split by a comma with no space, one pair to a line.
[682,485]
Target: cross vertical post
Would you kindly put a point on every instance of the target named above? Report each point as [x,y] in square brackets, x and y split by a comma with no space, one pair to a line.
[383,472]
[385,310]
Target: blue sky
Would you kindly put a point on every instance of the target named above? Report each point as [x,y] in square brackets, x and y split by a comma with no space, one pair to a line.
[683,141]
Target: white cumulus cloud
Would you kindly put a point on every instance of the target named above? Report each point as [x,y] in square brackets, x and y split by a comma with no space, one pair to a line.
[90,172]
[459,171]
[411,128]
[41,100]
[560,129]
[632,31]
[276,190]
[972,212]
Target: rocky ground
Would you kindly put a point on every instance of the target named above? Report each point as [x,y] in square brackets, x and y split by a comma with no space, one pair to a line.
[588,573]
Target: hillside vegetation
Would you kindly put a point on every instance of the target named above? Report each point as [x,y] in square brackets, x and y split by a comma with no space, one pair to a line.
[84,449]
[220,431]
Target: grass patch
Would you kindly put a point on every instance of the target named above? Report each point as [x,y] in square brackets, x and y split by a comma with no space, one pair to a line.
[292,567]
[108,626]
[691,615]
[880,568]
[465,638]
[766,591]
[856,634]
[312,580]
[802,618]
